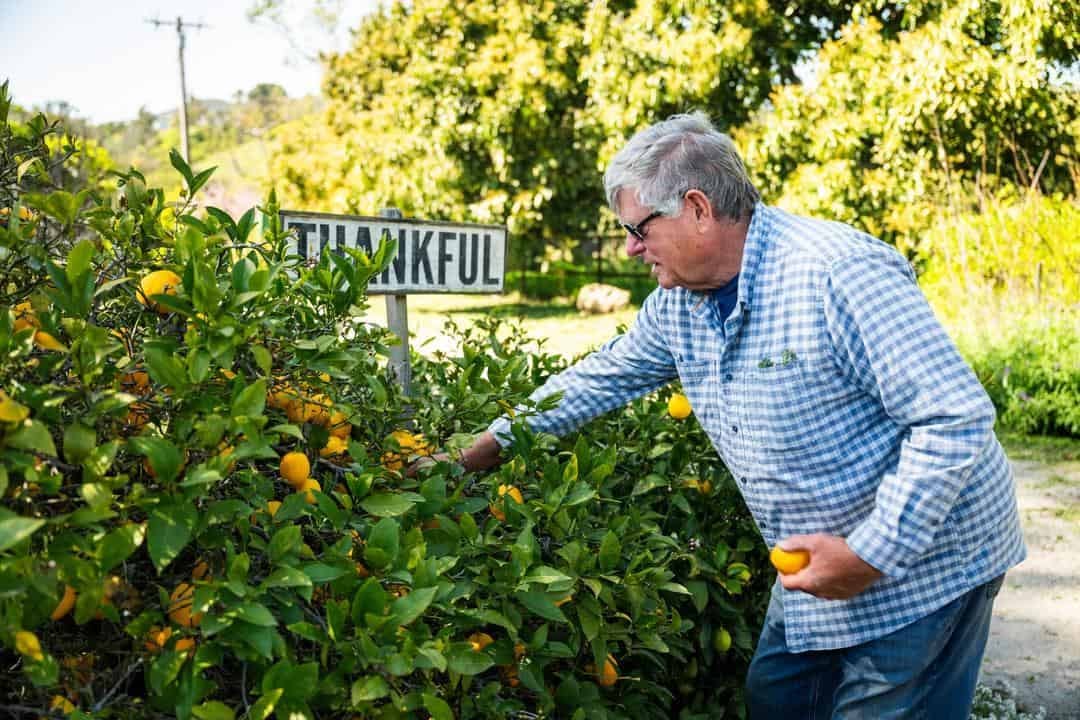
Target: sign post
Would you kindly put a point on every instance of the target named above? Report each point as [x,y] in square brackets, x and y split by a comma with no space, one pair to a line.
[432,257]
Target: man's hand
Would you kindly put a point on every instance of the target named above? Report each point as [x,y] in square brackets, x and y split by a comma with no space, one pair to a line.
[483,454]
[427,461]
[835,572]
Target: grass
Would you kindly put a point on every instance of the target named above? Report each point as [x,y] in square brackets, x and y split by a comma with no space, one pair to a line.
[1039,447]
[563,329]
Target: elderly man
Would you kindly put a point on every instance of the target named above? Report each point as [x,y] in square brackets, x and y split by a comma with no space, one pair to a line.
[852,425]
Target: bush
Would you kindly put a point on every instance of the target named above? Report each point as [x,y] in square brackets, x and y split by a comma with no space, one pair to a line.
[1005,281]
[1033,377]
[160,557]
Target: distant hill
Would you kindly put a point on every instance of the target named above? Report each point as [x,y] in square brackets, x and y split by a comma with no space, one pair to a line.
[232,134]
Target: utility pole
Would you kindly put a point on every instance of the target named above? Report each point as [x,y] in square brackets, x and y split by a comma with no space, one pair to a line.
[180,25]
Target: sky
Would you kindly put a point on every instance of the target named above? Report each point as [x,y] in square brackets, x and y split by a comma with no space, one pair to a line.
[107,61]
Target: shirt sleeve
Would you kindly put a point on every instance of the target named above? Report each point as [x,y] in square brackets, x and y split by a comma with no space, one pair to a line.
[626,367]
[886,338]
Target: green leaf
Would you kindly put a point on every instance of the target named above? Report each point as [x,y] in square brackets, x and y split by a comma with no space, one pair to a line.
[181,166]
[254,613]
[581,493]
[169,531]
[462,659]
[382,544]
[387,504]
[366,689]
[251,401]
[199,180]
[120,544]
[265,705]
[322,573]
[165,367]
[650,482]
[675,588]
[164,458]
[213,710]
[15,529]
[407,609]
[546,575]
[541,605]
[33,436]
[79,442]
[286,576]
[285,542]
[263,359]
[370,599]
[437,707]
[659,449]
[79,260]
[610,551]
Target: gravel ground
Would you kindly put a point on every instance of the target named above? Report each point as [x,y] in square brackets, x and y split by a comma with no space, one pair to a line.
[1034,641]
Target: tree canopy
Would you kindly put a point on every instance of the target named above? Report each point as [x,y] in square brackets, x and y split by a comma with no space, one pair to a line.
[508,111]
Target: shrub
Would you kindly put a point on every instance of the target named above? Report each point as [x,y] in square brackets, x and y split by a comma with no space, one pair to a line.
[158,360]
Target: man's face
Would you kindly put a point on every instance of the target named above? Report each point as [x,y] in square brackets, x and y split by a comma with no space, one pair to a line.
[673,247]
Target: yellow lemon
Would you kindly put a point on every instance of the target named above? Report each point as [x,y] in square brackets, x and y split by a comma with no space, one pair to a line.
[334,446]
[180,606]
[610,674]
[159,282]
[67,601]
[514,493]
[28,645]
[24,316]
[787,562]
[306,487]
[678,407]
[295,468]
[480,640]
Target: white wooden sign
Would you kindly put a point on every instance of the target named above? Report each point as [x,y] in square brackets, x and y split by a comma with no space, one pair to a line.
[432,257]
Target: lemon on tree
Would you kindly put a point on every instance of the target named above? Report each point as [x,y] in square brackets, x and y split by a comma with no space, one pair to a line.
[295,468]
[678,406]
[159,282]
[67,602]
[510,491]
[306,487]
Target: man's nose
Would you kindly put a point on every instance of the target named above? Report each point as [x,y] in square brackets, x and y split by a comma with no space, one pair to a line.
[634,246]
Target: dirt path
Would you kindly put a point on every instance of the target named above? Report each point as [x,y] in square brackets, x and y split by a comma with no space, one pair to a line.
[1035,634]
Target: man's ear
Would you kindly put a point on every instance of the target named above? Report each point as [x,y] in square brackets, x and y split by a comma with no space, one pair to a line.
[699,205]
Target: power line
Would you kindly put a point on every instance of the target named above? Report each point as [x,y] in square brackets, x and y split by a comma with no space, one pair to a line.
[180,27]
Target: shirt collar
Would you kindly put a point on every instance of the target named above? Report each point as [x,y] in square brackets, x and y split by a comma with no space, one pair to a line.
[757,237]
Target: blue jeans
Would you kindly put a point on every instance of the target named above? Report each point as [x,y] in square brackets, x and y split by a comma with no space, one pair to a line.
[925,670]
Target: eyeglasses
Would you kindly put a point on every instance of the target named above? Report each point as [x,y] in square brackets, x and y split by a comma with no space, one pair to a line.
[638,230]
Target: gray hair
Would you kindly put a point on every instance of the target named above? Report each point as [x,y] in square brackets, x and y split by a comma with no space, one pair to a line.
[685,152]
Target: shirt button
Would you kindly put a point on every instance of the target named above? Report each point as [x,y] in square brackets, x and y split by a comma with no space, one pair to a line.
[728,377]
[734,429]
[764,524]
[742,481]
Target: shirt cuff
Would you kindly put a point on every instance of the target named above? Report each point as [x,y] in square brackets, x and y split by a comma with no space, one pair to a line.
[500,428]
[872,544]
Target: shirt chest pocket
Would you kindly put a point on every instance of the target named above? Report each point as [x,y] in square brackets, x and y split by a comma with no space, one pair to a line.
[695,378]
[777,409]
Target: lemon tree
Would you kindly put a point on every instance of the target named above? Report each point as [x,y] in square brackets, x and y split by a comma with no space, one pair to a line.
[205,510]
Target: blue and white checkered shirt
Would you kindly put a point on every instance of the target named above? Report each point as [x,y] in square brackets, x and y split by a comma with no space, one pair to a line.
[840,406]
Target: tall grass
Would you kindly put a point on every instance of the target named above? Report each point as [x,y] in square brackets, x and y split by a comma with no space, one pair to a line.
[1006,283]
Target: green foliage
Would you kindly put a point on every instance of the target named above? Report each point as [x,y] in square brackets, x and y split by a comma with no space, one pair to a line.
[895,124]
[1033,377]
[1006,281]
[507,111]
[141,431]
